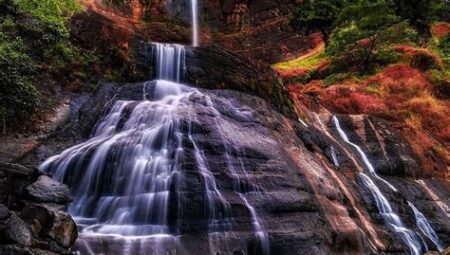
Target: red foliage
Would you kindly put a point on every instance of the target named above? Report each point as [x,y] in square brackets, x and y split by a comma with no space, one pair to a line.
[441,29]
[401,81]
[421,58]
[357,103]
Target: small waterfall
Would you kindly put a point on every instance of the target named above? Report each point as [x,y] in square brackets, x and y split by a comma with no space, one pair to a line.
[425,227]
[385,209]
[170,61]
[366,161]
[334,157]
[392,219]
[218,209]
[195,29]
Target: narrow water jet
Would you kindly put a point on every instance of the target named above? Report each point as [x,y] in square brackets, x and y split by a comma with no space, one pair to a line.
[334,156]
[195,23]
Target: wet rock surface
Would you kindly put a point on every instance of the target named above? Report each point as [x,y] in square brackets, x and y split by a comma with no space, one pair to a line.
[308,204]
[30,222]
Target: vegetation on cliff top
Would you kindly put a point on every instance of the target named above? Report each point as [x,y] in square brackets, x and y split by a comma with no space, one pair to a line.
[387,58]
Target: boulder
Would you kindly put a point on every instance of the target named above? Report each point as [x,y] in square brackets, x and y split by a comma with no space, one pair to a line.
[50,221]
[63,229]
[18,231]
[47,190]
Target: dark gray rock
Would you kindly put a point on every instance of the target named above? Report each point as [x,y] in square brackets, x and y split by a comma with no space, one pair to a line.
[18,231]
[19,250]
[46,189]
[50,221]
[4,212]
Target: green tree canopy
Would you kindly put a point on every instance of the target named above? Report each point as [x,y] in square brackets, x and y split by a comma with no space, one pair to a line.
[366,29]
[316,15]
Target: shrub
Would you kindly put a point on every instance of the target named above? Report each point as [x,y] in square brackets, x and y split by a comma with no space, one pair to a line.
[444,46]
[18,97]
[358,102]
[425,61]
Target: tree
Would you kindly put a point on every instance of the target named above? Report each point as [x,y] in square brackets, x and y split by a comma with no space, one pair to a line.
[316,16]
[365,30]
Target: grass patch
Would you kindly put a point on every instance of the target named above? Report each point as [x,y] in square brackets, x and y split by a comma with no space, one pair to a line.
[308,61]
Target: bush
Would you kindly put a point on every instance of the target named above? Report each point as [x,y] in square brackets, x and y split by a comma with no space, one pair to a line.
[444,46]
[33,39]
[18,97]
[425,61]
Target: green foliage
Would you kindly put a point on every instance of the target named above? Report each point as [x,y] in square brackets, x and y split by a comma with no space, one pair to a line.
[413,10]
[440,11]
[52,12]
[18,97]
[316,15]
[423,11]
[444,47]
[364,32]
[33,39]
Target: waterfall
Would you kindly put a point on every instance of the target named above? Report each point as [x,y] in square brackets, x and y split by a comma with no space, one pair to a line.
[170,61]
[120,178]
[392,219]
[334,157]
[129,174]
[385,209]
[241,180]
[194,16]
[425,227]
[366,161]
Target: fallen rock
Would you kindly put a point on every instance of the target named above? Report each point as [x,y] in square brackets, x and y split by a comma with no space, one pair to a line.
[32,220]
[51,221]
[15,169]
[63,230]
[47,190]
[18,231]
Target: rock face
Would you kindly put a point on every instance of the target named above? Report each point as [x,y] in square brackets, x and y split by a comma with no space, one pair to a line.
[257,31]
[311,199]
[31,221]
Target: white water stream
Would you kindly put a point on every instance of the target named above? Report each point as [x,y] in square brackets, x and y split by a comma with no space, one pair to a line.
[412,239]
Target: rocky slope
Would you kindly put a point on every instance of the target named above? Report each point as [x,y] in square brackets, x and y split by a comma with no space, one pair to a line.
[309,205]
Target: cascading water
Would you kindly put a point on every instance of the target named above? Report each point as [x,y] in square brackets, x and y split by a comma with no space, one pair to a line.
[425,227]
[391,218]
[334,157]
[361,153]
[121,177]
[385,209]
[127,176]
[171,61]
[240,184]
